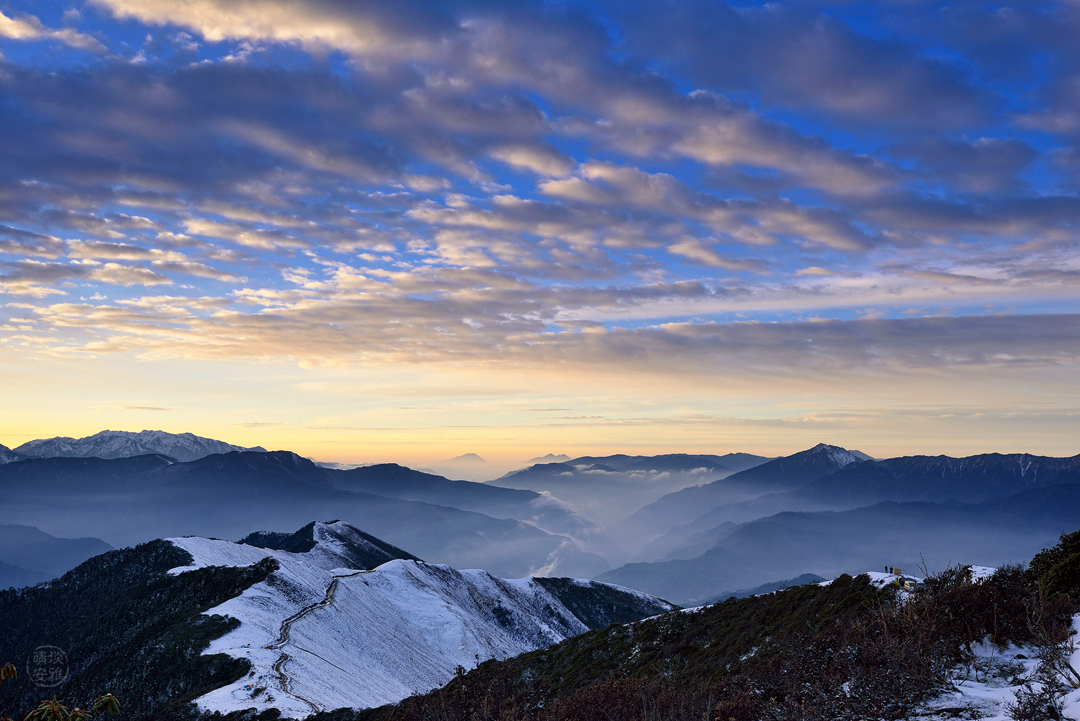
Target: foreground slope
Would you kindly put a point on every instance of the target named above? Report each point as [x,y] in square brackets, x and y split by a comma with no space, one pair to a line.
[852,648]
[319,635]
[127,627]
[238,625]
[640,670]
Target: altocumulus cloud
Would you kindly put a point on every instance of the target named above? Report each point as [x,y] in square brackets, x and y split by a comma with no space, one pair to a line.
[476,182]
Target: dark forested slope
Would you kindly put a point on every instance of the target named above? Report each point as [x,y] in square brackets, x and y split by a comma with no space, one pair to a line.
[127,627]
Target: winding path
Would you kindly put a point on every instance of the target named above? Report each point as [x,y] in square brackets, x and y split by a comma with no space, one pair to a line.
[283,638]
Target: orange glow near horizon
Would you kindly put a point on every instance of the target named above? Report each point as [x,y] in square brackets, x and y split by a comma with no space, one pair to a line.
[423,416]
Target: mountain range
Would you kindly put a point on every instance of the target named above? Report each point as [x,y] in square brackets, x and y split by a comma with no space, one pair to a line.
[682,526]
[607,488]
[939,478]
[122,444]
[780,474]
[130,500]
[907,535]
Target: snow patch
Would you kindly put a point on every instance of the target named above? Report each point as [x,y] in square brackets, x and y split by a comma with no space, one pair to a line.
[985,689]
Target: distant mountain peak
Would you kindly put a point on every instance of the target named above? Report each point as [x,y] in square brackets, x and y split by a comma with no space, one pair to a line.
[840,456]
[110,444]
[550,458]
[467,458]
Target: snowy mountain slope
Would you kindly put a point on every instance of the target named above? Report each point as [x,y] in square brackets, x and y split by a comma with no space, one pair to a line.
[320,636]
[988,696]
[8,456]
[126,444]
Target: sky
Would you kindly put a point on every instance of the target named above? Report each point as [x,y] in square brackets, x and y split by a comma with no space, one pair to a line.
[369,231]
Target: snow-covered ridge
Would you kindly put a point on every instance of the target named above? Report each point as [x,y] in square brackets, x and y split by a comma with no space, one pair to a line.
[126,444]
[322,636]
[840,456]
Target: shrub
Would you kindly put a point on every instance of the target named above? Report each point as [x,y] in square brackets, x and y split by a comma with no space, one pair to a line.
[1057,569]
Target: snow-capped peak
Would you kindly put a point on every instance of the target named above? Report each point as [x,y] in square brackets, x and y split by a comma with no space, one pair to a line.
[840,456]
[126,444]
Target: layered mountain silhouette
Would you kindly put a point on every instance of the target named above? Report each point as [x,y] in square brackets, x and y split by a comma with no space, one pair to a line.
[780,474]
[549,458]
[906,535]
[909,478]
[29,555]
[606,488]
[801,580]
[394,481]
[129,500]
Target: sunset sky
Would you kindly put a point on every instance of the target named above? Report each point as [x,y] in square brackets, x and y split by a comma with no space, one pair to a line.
[371,231]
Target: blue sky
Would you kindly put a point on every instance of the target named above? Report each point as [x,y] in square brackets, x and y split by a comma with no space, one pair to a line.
[662,209]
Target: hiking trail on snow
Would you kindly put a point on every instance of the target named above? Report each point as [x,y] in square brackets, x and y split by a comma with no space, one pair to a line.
[283,639]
